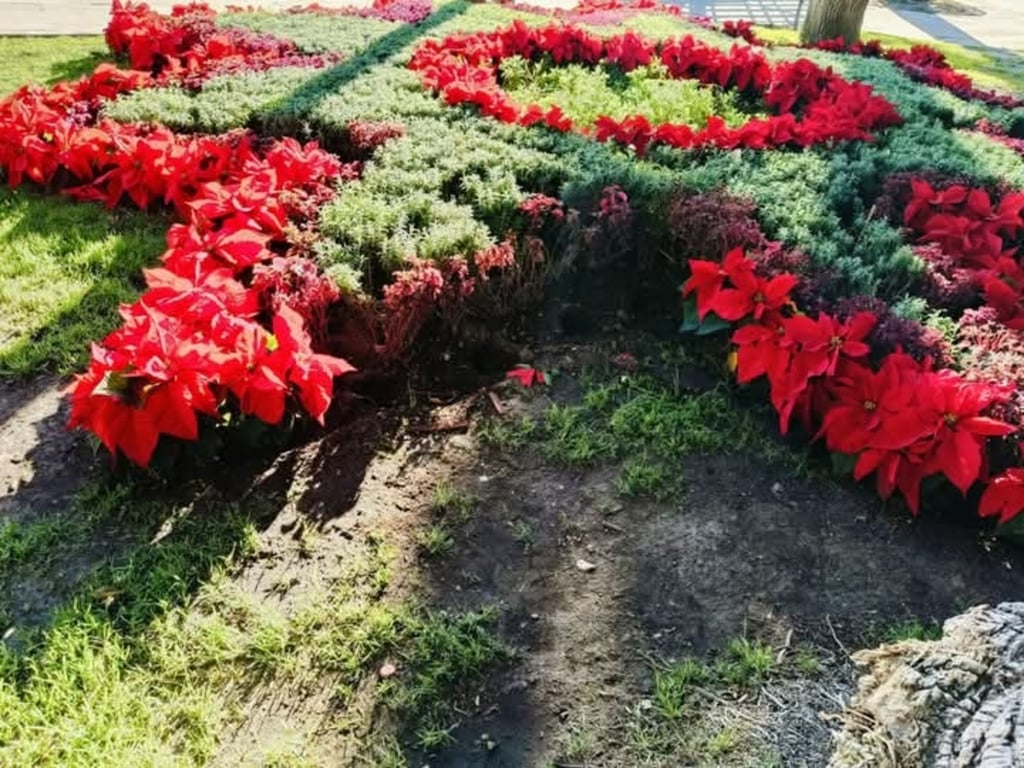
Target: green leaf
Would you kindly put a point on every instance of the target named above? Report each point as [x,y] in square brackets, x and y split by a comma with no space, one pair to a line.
[1012,531]
[711,323]
[843,464]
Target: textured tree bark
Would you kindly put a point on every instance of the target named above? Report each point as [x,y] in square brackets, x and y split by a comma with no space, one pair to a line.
[828,19]
[948,703]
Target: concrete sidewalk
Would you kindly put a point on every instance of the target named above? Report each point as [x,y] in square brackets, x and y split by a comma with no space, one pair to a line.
[991,24]
[89,17]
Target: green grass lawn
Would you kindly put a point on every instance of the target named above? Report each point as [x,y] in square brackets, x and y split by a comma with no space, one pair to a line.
[66,266]
[47,60]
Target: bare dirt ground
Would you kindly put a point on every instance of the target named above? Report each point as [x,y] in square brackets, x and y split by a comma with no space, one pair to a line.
[594,590]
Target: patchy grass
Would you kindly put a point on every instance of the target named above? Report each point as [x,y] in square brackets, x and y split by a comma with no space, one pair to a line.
[439,654]
[909,629]
[436,541]
[676,725]
[523,533]
[93,687]
[645,424]
[989,69]
[807,663]
[451,501]
[674,687]
[155,655]
[48,60]
[745,663]
[29,547]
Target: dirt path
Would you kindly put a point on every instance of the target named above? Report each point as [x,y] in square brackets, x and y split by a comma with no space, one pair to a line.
[41,463]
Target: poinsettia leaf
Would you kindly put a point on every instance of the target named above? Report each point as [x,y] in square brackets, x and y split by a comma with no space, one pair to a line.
[527,376]
[692,323]
[843,464]
[1012,531]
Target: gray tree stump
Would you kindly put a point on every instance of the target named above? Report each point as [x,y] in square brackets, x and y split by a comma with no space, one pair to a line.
[957,701]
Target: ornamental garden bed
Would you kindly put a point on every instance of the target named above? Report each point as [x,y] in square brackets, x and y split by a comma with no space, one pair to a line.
[738,292]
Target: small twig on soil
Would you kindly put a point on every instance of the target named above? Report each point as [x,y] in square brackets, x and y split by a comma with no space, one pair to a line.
[612,527]
[498,407]
[784,648]
[731,705]
[835,637]
[775,699]
[456,426]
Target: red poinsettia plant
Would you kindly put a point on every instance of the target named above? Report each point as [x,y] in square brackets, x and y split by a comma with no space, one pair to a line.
[901,418]
[979,235]
[812,105]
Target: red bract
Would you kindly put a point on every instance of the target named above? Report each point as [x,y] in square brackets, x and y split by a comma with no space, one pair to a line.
[188,47]
[750,294]
[1004,496]
[408,11]
[706,280]
[903,421]
[978,234]
[463,69]
[194,339]
[527,376]
[823,342]
[925,65]
[959,439]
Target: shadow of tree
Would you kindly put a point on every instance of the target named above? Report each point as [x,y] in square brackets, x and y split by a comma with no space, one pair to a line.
[100,252]
[73,69]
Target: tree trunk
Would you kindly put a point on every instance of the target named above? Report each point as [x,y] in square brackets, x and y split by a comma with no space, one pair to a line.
[829,19]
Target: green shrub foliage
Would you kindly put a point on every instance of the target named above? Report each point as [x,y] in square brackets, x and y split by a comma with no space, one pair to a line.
[451,185]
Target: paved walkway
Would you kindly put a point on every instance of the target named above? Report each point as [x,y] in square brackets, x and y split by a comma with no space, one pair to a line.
[991,23]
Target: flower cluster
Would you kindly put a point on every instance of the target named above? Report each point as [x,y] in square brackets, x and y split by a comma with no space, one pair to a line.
[365,136]
[224,323]
[187,46]
[921,62]
[415,293]
[979,235]
[197,335]
[925,65]
[299,284]
[903,419]
[602,12]
[540,208]
[813,105]
[999,135]
[744,30]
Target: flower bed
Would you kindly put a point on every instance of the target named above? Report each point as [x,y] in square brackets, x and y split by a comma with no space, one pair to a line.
[813,105]
[858,243]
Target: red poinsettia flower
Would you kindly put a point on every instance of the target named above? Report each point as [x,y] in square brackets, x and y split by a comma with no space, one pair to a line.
[751,295]
[527,376]
[822,341]
[876,409]
[1004,496]
[961,431]
[312,373]
[706,280]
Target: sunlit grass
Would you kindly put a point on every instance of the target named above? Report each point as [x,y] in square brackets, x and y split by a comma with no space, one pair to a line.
[46,60]
[987,68]
[65,268]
